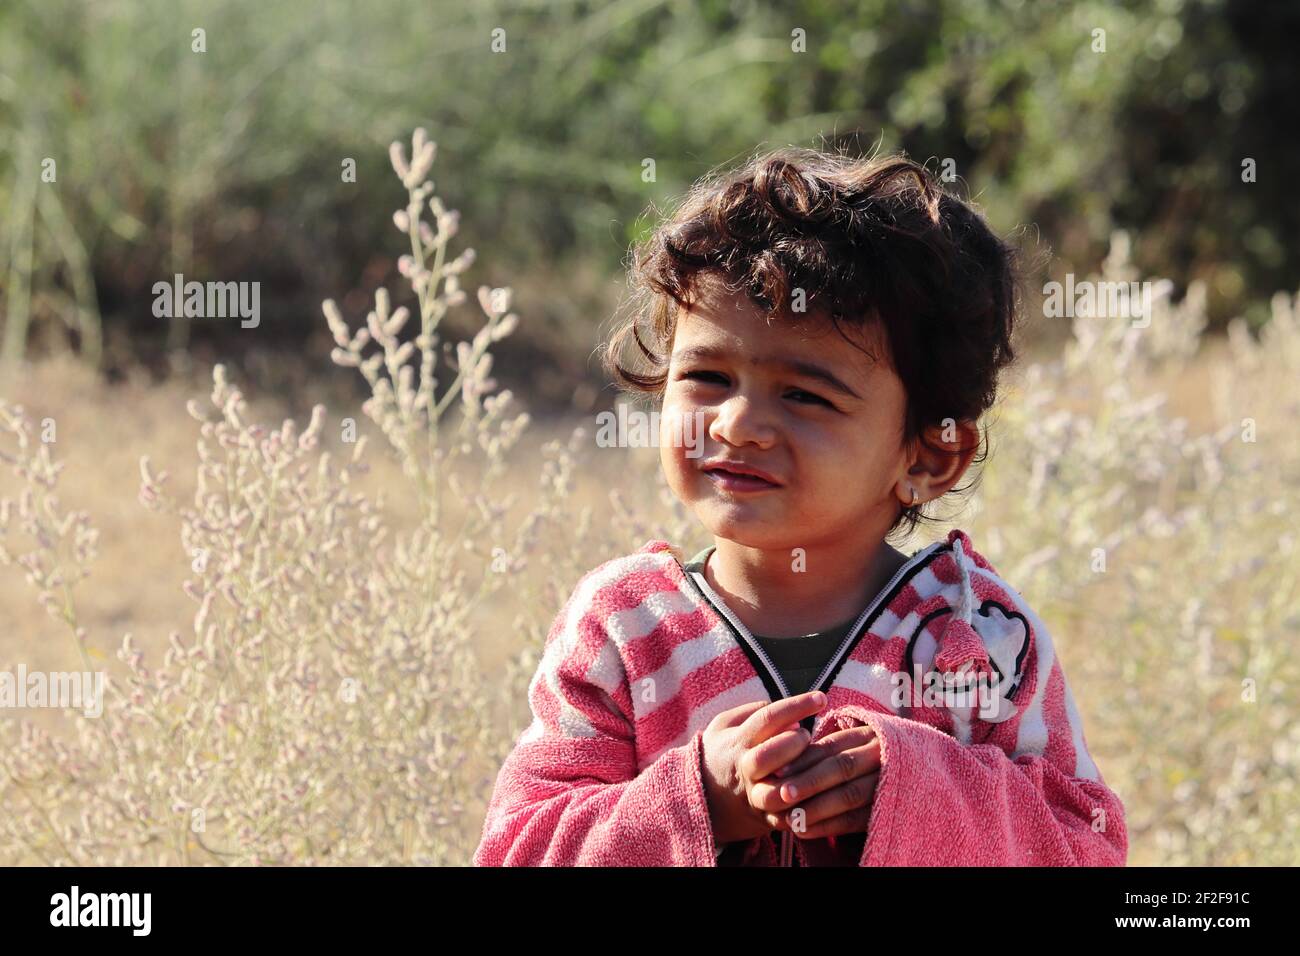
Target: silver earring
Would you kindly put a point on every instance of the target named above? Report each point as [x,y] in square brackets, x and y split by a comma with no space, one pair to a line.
[914,497]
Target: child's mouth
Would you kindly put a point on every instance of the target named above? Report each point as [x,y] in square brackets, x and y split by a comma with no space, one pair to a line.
[730,481]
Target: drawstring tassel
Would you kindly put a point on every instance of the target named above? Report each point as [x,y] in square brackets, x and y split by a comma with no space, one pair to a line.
[959,649]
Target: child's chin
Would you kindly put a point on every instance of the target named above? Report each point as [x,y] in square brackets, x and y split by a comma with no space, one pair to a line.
[736,519]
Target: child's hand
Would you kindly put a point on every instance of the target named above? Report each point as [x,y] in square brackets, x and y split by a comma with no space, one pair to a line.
[744,745]
[834,782]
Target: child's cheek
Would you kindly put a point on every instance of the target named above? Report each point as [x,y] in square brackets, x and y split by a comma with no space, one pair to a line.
[680,447]
[669,452]
[672,474]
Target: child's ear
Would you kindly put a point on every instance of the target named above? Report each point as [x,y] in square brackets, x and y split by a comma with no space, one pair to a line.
[936,464]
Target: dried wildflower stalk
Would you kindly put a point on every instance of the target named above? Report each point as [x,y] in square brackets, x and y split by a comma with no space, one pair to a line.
[326,706]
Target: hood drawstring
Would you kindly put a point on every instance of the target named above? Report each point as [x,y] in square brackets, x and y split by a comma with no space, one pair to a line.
[959,649]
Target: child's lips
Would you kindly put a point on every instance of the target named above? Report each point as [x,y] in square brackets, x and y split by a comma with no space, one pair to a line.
[730,481]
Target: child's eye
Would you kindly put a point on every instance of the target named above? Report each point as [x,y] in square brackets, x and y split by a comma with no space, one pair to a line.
[808,398]
[705,376]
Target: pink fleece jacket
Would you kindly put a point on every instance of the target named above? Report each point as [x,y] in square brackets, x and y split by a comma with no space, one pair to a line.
[638,662]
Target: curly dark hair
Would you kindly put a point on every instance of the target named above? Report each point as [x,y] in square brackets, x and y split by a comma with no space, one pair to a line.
[866,240]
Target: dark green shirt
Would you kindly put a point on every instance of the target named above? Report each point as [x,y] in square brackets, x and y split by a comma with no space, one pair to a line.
[800,660]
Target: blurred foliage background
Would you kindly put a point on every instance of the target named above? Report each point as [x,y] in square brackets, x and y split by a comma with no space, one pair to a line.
[226,164]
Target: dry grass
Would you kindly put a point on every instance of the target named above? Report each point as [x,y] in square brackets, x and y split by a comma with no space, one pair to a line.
[405,590]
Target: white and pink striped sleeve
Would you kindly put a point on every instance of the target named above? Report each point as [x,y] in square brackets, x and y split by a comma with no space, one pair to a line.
[569,793]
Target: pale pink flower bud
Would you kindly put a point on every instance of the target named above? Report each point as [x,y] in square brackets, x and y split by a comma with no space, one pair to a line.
[338,328]
[395,324]
[462,261]
[398,158]
[341,357]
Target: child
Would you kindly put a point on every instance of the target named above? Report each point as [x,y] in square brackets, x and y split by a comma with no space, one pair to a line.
[837,326]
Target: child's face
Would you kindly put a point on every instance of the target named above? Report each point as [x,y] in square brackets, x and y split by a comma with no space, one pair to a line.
[836,453]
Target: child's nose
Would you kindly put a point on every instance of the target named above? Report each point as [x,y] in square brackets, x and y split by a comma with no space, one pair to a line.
[742,421]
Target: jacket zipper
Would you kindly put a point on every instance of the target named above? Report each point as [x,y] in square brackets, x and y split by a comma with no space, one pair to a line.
[740,628]
[787,847]
[917,558]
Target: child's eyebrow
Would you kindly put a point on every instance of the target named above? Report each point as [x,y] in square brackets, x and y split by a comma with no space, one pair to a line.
[800,367]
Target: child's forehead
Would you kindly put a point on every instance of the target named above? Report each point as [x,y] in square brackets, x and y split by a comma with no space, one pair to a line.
[733,329]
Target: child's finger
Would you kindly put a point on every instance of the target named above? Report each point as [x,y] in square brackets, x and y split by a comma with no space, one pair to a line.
[799,788]
[810,756]
[851,821]
[761,760]
[839,801]
[832,743]
[776,716]
[739,714]
[814,753]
